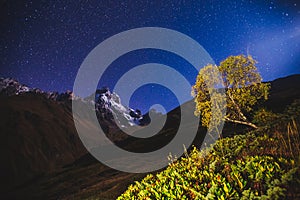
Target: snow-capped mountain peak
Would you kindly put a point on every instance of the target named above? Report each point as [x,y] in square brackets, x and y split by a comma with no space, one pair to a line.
[109,106]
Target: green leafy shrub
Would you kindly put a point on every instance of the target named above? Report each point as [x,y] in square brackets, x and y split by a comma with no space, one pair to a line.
[264,117]
[293,110]
[234,168]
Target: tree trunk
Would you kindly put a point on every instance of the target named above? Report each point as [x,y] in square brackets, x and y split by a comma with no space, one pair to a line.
[237,107]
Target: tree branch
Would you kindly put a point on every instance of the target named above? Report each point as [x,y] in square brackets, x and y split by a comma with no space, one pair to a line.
[241,122]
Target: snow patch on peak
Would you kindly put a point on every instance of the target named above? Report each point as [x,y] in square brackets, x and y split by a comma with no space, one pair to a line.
[10,86]
[111,108]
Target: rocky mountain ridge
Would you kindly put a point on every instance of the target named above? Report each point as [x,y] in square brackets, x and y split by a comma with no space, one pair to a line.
[107,104]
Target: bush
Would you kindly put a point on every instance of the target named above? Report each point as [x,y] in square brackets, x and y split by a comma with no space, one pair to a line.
[234,168]
[264,117]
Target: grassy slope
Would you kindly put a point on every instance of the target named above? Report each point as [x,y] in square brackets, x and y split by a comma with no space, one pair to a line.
[259,164]
[35,138]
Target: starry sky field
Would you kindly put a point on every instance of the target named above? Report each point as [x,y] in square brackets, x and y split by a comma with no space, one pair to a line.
[43,43]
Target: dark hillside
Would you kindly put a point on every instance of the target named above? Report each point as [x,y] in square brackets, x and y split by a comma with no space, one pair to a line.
[283,92]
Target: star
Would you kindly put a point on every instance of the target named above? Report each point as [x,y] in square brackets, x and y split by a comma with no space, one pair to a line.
[44,41]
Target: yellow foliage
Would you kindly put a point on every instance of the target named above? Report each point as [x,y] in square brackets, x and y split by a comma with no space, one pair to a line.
[243,88]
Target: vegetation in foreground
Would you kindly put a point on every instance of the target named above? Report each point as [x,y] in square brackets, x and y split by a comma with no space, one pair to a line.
[257,165]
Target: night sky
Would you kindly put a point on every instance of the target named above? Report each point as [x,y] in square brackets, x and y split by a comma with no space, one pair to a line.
[43,43]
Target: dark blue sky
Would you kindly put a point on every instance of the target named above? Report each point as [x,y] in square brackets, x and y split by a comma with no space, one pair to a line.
[43,43]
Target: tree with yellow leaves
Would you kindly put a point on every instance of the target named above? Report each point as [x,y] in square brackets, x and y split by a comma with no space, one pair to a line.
[243,88]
